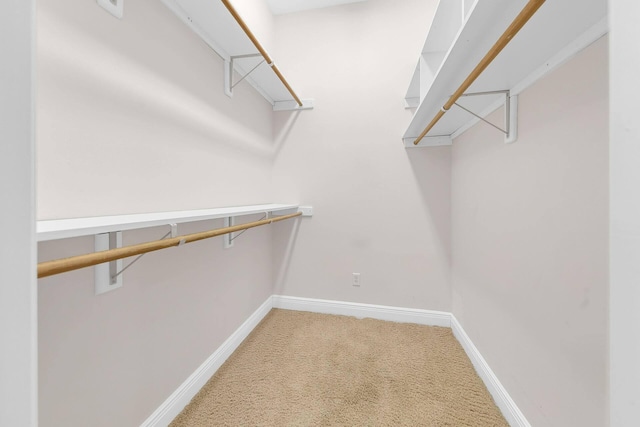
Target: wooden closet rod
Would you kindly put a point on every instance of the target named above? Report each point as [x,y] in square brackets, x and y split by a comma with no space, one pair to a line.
[58,266]
[527,12]
[258,46]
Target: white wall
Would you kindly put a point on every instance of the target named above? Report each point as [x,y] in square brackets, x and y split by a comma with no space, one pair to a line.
[18,327]
[530,245]
[132,117]
[132,113]
[111,360]
[625,214]
[379,210]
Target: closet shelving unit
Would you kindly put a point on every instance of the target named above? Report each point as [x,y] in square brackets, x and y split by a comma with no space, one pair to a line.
[218,24]
[76,227]
[463,31]
[107,232]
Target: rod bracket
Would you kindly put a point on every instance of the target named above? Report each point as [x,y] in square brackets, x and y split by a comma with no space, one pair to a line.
[307,104]
[106,275]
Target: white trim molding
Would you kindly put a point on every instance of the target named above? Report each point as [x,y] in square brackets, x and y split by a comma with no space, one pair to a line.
[180,398]
[380,312]
[174,404]
[509,409]
[18,254]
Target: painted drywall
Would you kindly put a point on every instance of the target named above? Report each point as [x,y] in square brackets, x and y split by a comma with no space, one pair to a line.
[18,325]
[131,113]
[530,245]
[111,360]
[132,117]
[624,215]
[379,210]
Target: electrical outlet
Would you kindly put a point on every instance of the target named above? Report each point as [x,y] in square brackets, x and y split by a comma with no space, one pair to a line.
[355,280]
[114,7]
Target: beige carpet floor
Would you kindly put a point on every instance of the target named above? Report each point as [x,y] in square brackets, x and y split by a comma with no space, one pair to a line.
[306,369]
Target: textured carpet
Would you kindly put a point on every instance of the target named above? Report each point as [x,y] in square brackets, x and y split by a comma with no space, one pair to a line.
[306,369]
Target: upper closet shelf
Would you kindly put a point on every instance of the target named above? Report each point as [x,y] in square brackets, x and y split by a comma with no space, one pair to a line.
[461,34]
[219,25]
[75,227]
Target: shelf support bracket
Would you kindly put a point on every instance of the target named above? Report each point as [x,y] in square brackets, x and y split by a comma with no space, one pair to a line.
[227,239]
[230,237]
[511,118]
[510,113]
[228,71]
[106,277]
[109,275]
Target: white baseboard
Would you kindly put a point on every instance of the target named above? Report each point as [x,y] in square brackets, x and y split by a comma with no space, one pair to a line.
[175,403]
[380,312]
[183,395]
[509,409]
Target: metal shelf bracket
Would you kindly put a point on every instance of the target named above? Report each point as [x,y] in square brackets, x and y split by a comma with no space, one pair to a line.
[510,113]
[106,275]
[227,239]
[229,84]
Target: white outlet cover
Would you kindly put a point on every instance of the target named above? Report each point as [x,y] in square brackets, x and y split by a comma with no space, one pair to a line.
[114,7]
[355,281]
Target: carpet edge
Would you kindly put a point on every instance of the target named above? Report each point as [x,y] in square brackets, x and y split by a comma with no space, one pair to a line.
[379,312]
[501,397]
[175,403]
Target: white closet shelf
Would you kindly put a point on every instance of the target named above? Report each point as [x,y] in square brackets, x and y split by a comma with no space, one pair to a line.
[76,227]
[555,33]
[215,25]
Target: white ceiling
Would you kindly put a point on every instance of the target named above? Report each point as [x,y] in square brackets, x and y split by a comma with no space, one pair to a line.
[279,7]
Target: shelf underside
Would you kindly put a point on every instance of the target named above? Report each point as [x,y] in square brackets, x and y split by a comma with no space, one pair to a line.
[76,227]
[551,31]
[215,25]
